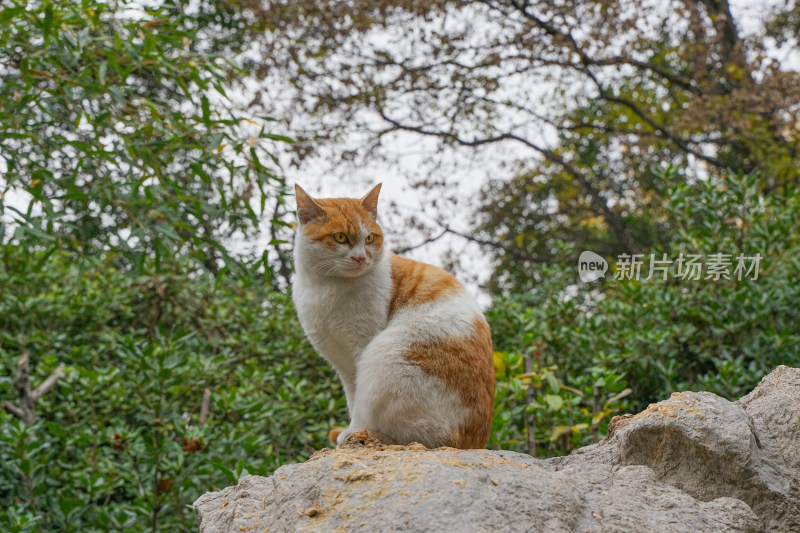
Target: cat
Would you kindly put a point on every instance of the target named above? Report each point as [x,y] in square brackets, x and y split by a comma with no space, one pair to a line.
[411,347]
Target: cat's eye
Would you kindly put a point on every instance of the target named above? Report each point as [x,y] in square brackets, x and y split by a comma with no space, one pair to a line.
[340,237]
[370,238]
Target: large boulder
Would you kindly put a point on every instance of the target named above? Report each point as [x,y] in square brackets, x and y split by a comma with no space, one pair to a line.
[695,462]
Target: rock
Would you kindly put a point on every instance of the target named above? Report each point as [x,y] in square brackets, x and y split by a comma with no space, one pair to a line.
[693,463]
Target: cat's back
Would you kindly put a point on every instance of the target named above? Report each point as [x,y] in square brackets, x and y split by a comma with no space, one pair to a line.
[415,283]
[443,331]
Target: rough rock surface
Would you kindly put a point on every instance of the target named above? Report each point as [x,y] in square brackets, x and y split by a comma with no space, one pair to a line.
[693,463]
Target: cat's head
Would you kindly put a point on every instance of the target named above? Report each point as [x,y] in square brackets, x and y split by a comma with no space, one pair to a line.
[338,237]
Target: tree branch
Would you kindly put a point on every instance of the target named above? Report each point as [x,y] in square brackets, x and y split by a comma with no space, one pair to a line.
[13,409]
[204,407]
[681,143]
[685,83]
[492,244]
[429,240]
[598,201]
[483,242]
[587,61]
[48,383]
[27,398]
[551,30]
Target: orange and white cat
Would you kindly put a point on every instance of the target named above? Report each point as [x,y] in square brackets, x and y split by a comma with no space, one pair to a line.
[410,345]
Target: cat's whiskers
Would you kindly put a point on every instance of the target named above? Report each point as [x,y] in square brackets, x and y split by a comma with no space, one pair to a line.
[330,271]
[330,265]
[322,264]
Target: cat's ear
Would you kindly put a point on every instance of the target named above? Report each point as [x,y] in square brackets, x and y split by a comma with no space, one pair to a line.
[307,208]
[370,200]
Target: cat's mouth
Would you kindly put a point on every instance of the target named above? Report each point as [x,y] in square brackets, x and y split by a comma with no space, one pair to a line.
[355,270]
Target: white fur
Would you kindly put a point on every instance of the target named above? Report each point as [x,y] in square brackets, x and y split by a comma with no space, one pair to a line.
[399,399]
[346,319]
[340,315]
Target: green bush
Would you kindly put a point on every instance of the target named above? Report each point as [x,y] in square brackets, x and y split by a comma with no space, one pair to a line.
[591,341]
[118,445]
[125,174]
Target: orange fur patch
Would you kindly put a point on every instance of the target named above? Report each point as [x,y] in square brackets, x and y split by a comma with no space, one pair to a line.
[415,283]
[466,366]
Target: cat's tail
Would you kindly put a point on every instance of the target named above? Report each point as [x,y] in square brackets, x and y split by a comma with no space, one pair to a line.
[333,435]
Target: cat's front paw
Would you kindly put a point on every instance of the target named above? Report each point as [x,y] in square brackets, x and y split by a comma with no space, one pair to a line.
[353,437]
[344,434]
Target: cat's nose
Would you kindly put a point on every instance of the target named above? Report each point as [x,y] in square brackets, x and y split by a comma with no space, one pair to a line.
[360,259]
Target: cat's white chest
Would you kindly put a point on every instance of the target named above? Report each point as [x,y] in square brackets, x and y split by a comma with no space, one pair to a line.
[340,317]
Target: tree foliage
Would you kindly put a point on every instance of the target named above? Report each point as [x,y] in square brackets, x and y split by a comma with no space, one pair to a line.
[127,178]
[117,134]
[589,96]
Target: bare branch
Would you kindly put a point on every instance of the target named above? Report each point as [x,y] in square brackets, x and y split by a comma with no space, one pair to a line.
[13,409]
[551,30]
[681,143]
[27,398]
[472,238]
[429,240]
[21,379]
[598,201]
[587,61]
[48,383]
[492,244]
[205,406]
[681,81]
